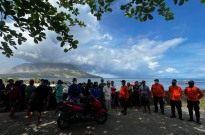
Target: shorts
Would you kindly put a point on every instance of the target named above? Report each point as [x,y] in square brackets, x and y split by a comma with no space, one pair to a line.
[145,100]
[36,107]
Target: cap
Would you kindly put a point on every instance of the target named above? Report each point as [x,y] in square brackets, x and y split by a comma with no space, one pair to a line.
[45,81]
[174,80]
[123,81]
[156,80]
[74,79]
[60,82]
[190,82]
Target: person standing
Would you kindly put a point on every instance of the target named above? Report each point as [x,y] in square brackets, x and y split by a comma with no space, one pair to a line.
[9,85]
[158,92]
[113,93]
[130,91]
[59,91]
[194,94]
[175,99]
[87,90]
[124,95]
[107,95]
[97,92]
[14,96]
[145,96]
[136,95]
[37,101]
[101,86]
[74,92]
[2,86]
[29,90]
[22,102]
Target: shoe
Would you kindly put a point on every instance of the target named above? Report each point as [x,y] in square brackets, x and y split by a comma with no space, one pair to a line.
[125,113]
[27,124]
[39,122]
[181,118]
[190,120]
[172,116]
[122,111]
[198,122]
[162,113]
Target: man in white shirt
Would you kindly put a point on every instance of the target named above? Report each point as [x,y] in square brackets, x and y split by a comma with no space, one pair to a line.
[107,95]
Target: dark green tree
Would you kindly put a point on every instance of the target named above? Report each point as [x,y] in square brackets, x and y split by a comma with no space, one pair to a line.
[36,16]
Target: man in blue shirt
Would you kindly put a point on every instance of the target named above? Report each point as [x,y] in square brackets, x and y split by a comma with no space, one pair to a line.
[74,92]
[96,91]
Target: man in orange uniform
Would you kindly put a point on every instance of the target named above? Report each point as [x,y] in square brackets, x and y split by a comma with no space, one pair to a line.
[175,99]
[124,95]
[157,91]
[193,94]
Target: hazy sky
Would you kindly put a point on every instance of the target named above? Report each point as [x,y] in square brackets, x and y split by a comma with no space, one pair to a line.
[118,46]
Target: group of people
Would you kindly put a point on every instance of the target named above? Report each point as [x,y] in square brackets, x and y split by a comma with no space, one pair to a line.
[157,93]
[30,98]
[37,98]
[139,95]
[104,92]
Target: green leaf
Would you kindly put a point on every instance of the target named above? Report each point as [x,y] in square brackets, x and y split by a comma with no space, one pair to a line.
[59,38]
[75,42]
[181,2]
[109,9]
[150,16]
[19,41]
[175,2]
[132,10]
[122,7]
[35,41]
[74,46]
[23,39]
[65,50]
[2,23]
[152,9]
[62,43]
[12,43]
[202,1]
[145,18]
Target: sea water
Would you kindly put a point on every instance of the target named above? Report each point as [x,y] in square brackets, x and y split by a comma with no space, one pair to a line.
[149,81]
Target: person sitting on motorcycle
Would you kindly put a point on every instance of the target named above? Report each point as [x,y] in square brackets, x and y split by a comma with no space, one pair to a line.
[96,91]
[74,92]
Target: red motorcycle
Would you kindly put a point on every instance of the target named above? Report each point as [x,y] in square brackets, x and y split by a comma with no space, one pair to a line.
[71,113]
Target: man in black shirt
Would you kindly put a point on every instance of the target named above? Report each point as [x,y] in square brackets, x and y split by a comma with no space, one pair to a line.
[38,98]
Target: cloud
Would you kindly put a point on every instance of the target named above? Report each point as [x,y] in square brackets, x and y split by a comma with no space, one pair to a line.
[99,54]
[137,60]
[168,70]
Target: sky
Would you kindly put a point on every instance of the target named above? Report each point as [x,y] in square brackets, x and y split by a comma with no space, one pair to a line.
[120,47]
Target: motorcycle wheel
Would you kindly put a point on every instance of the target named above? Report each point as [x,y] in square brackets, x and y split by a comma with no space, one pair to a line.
[62,124]
[101,118]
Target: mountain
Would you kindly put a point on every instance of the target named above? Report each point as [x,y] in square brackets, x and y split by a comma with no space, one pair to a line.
[46,70]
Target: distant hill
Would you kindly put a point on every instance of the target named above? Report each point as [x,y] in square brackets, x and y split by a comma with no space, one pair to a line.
[46,70]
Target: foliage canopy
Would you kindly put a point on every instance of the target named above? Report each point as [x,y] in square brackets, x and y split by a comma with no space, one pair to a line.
[36,16]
